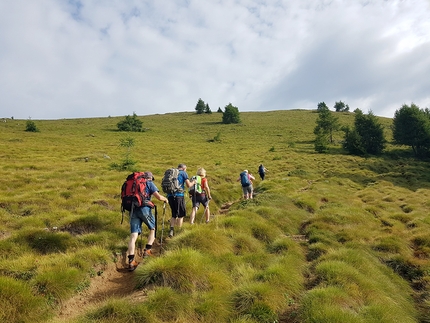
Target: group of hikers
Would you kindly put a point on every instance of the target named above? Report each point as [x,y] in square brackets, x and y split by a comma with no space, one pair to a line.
[200,194]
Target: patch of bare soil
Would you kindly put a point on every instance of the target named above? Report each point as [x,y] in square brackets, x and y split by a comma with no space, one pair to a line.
[114,280]
[225,207]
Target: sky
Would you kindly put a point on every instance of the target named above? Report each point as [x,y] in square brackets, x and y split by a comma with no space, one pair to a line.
[99,58]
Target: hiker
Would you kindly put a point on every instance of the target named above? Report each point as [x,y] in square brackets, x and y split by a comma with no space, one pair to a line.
[246,179]
[143,215]
[177,201]
[262,171]
[200,193]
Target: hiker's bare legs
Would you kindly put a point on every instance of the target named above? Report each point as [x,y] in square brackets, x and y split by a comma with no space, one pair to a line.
[207,214]
[179,222]
[151,237]
[193,215]
[132,243]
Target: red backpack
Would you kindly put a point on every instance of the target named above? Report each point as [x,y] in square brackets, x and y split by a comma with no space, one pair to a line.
[133,192]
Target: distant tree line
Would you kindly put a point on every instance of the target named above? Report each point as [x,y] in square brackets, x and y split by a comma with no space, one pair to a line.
[411,127]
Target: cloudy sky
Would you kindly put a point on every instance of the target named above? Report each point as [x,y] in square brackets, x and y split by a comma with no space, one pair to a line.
[98,58]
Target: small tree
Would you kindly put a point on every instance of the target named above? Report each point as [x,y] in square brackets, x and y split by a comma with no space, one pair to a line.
[219,110]
[411,127]
[231,114]
[31,126]
[326,123]
[341,107]
[322,106]
[321,142]
[371,132]
[352,142]
[207,109]
[127,163]
[367,137]
[200,106]
[130,124]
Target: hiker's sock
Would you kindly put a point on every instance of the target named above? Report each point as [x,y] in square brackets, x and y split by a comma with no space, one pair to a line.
[148,246]
[171,228]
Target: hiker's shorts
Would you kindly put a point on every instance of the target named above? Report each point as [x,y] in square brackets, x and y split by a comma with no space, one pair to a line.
[199,199]
[139,216]
[247,189]
[177,205]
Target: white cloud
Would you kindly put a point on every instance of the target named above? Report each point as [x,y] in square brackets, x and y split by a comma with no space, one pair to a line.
[73,59]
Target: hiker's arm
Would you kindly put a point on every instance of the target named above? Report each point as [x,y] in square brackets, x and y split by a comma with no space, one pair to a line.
[160,197]
[207,190]
[190,183]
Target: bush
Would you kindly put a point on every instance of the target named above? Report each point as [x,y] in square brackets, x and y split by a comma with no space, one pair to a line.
[231,114]
[31,126]
[130,124]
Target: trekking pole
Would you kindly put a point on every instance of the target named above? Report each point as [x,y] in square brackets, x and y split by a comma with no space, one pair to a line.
[204,211]
[162,228]
[156,221]
[140,246]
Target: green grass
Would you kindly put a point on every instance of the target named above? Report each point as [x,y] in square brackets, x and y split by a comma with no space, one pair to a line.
[328,238]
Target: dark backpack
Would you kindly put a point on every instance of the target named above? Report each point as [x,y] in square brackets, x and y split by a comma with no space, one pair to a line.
[133,192]
[244,179]
[170,183]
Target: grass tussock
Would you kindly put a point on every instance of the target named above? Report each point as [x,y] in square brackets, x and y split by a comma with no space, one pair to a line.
[183,270]
[19,304]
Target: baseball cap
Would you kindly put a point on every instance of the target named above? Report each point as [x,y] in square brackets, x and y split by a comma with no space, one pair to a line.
[148,175]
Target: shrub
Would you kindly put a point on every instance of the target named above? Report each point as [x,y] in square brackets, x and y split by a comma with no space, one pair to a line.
[31,126]
[130,124]
[231,114]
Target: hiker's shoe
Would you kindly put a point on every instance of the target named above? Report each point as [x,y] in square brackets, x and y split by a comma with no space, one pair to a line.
[147,253]
[132,265]
[171,234]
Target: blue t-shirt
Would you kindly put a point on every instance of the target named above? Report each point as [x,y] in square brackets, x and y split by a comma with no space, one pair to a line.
[182,177]
[151,188]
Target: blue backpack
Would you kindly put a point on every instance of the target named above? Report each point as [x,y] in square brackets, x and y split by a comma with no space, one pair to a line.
[244,179]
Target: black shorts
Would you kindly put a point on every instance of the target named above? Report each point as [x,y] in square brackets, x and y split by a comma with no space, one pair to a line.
[177,205]
[199,199]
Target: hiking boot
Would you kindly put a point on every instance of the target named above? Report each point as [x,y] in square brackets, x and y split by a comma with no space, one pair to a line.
[171,234]
[132,265]
[147,253]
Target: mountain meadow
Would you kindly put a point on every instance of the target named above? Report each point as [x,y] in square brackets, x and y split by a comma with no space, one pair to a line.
[328,238]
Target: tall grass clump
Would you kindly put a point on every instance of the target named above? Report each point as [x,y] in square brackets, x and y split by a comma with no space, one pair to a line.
[116,311]
[258,301]
[356,287]
[19,304]
[56,287]
[45,242]
[184,270]
[204,239]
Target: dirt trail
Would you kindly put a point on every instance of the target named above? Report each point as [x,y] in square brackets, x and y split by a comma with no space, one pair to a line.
[114,281]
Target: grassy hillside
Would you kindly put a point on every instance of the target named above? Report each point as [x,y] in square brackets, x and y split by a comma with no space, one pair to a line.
[328,238]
